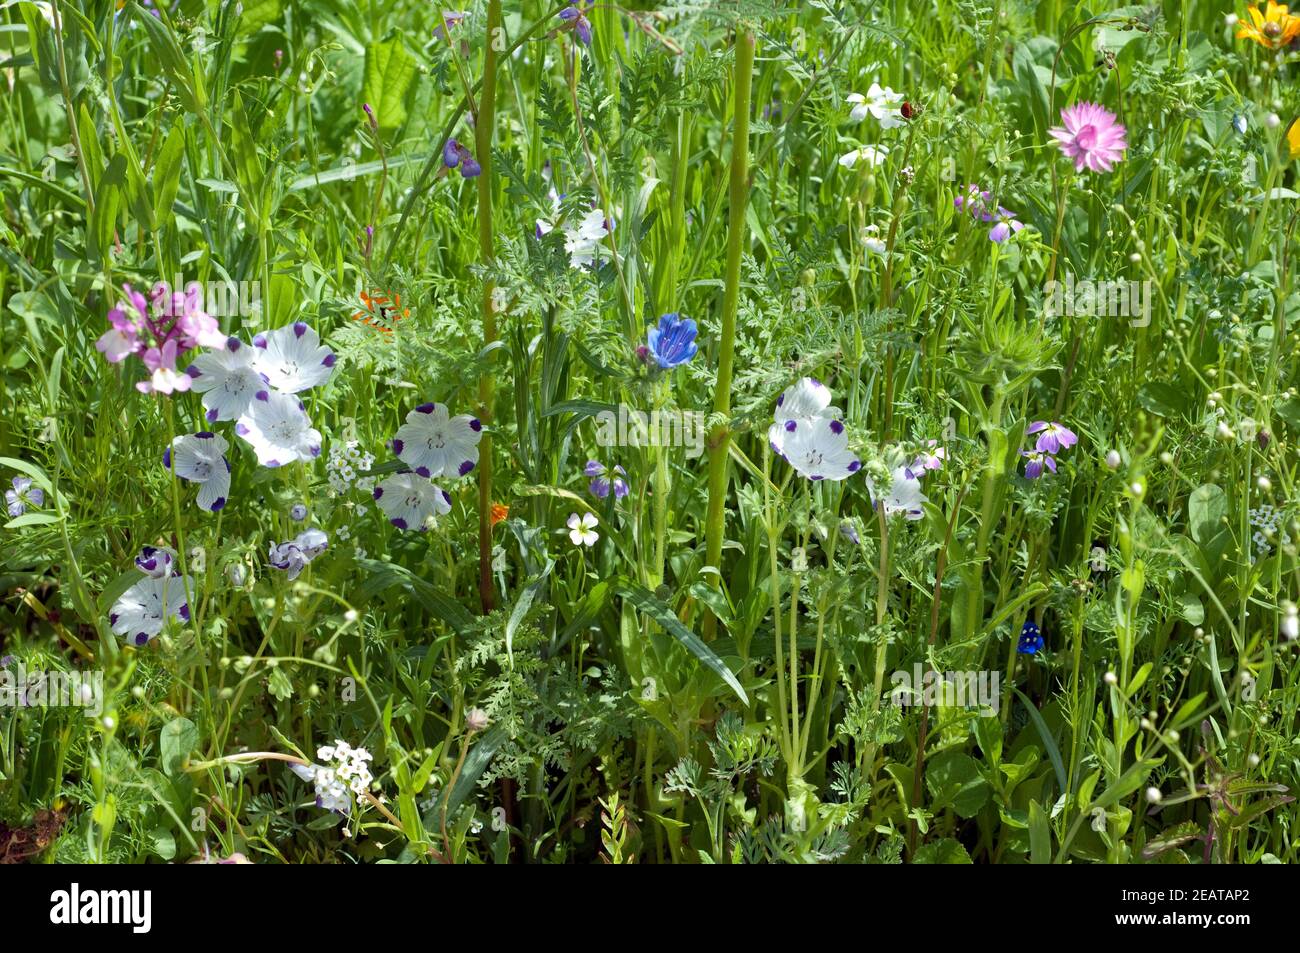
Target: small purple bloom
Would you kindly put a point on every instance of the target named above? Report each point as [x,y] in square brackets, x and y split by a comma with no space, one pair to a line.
[22,496]
[1053,437]
[602,480]
[454,154]
[576,19]
[1035,462]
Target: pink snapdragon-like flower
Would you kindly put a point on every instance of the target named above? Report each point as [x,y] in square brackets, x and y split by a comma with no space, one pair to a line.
[1091,137]
[163,377]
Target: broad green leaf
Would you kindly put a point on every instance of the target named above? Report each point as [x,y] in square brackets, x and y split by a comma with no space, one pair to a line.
[389,72]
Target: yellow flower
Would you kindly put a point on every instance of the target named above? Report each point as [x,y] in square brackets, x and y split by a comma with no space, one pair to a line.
[1293,138]
[1274,28]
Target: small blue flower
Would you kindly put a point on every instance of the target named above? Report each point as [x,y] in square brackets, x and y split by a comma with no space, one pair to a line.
[1031,640]
[673,342]
[298,513]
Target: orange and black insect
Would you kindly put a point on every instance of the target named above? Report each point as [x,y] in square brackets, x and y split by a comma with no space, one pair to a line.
[382,311]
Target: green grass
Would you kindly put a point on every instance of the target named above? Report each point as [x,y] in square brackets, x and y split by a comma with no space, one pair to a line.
[712,680]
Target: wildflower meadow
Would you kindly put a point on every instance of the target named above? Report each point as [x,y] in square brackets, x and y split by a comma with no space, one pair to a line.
[726,432]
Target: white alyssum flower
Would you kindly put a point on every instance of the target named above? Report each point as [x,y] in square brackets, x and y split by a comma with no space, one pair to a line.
[344,466]
[344,771]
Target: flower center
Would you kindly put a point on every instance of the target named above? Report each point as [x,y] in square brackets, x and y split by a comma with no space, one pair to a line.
[1272,29]
[1086,137]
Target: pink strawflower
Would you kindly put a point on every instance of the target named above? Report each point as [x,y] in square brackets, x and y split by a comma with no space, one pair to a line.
[1091,137]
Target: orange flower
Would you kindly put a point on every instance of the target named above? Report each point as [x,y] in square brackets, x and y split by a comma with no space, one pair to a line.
[1274,28]
[499,512]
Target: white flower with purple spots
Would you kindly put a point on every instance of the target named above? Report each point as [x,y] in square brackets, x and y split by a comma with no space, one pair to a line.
[410,501]
[140,613]
[904,496]
[156,561]
[276,427]
[819,449]
[226,379]
[292,359]
[433,443]
[294,555]
[201,458]
[800,403]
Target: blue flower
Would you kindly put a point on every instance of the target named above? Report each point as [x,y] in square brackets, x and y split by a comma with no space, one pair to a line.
[673,342]
[1031,640]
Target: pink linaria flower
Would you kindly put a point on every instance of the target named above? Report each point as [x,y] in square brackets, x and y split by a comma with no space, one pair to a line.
[1091,137]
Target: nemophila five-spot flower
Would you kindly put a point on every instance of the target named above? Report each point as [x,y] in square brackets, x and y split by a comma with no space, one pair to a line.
[226,378]
[298,512]
[819,449]
[1031,640]
[1052,437]
[433,443]
[157,561]
[201,458]
[277,428]
[455,155]
[294,555]
[885,105]
[410,501]
[800,403]
[1036,461]
[873,156]
[582,529]
[904,496]
[291,358]
[672,343]
[140,613]
[602,480]
[22,496]
[1090,136]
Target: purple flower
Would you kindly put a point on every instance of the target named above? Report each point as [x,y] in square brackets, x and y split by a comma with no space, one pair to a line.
[454,154]
[1006,226]
[1090,136]
[576,20]
[673,342]
[601,482]
[1034,463]
[22,496]
[1053,437]
[452,18]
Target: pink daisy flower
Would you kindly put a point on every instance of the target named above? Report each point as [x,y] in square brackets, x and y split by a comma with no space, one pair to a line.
[1091,137]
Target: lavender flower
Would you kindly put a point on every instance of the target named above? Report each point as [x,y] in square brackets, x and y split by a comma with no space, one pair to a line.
[600,483]
[22,496]
[1053,437]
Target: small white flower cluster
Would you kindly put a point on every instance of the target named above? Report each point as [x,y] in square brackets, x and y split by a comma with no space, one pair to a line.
[345,462]
[343,769]
[1267,520]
